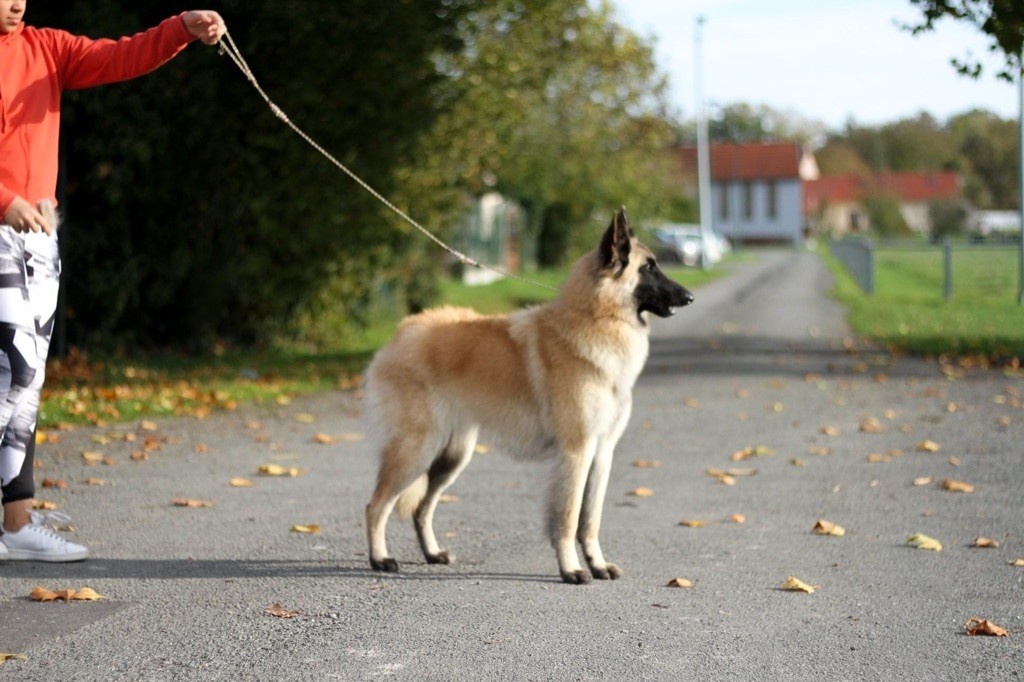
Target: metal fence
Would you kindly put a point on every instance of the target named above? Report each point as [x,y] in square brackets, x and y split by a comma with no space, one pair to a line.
[858,257]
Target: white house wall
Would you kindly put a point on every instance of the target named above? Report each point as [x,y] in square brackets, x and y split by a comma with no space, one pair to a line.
[787,225]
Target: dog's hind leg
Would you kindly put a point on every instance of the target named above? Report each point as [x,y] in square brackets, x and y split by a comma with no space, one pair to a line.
[564,503]
[403,461]
[442,473]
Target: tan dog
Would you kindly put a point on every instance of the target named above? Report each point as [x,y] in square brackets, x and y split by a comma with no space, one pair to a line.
[553,382]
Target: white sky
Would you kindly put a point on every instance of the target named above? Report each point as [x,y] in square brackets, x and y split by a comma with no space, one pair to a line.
[825,60]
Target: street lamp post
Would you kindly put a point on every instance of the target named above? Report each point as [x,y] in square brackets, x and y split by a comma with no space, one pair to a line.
[703,154]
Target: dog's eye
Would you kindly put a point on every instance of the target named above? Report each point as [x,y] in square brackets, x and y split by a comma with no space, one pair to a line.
[651,265]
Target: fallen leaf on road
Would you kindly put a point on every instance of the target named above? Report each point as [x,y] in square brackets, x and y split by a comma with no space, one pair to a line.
[324,439]
[775,407]
[691,523]
[54,483]
[955,486]
[819,450]
[278,470]
[641,492]
[192,503]
[91,457]
[871,425]
[647,463]
[823,527]
[876,458]
[201,448]
[12,657]
[741,472]
[480,448]
[954,461]
[448,499]
[283,400]
[139,456]
[86,594]
[921,541]
[312,528]
[830,431]
[1017,562]
[253,426]
[680,582]
[986,542]
[797,462]
[239,482]
[45,505]
[148,426]
[752,451]
[94,481]
[738,518]
[691,402]
[723,477]
[928,446]
[305,418]
[978,626]
[923,480]
[794,584]
[83,594]
[279,611]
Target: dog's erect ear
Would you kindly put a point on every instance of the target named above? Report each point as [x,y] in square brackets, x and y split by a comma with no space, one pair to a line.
[615,243]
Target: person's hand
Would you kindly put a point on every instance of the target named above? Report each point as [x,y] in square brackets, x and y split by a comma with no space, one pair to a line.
[24,217]
[206,25]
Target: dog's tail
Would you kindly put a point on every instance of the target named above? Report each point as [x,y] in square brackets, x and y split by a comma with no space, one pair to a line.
[411,497]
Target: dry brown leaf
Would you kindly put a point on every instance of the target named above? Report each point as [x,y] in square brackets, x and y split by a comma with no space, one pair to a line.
[94,481]
[740,472]
[871,425]
[86,594]
[139,456]
[192,503]
[979,626]
[775,407]
[955,486]
[83,594]
[641,492]
[691,523]
[876,458]
[923,480]
[201,448]
[647,463]
[723,477]
[239,482]
[954,461]
[253,425]
[691,402]
[798,462]
[448,499]
[680,582]
[928,446]
[986,542]
[12,657]
[819,450]
[752,451]
[280,612]
[42,594]
[312,528]
[45,505]
[922,541]
[1016,562]
[738,518]
[823,527]
[1004,421]
[794,584]
[283,400]
[91,457]
[324,439]
[148,426]
[305,418]
[830,431]
[54,483]
[480,448]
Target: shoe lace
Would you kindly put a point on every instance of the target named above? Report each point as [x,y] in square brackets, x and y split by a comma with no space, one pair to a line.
[48,522]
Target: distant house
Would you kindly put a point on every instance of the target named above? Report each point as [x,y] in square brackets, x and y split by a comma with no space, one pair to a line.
[834,204]
[757,190]
[492,233]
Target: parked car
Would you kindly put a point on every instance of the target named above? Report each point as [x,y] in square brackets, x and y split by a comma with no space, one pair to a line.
[681,243]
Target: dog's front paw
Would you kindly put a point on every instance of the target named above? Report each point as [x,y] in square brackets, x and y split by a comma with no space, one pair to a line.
[578,577]
[606,572]
[387,565]
[442,557]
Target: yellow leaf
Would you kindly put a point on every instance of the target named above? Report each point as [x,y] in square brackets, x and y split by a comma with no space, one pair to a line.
[239,482]
[680,582]
[278,470]
[480,449]
[830,431]
[823,527]
[91,457]
[798,462]
[794,584]
[44,504]
[139,456]
[641,492]
[923,480]
[775,407]
[12,657]
[324,439]
[871,425]
[95,481]
[283,400]
[647,463]
[955,486]
[1017,562]
[978,626]
[738,518]
[100,439]
[448,499]
[691,402]
[192,503]
[819,450]
[876,458]
[305,418]
[921,541]
[279,611]
[86,594]
[928,446]
[148,426]
[986,542]
[312,528]
[691,523]
[201,448]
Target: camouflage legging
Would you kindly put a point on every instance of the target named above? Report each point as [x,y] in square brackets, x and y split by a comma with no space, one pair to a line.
[29,280]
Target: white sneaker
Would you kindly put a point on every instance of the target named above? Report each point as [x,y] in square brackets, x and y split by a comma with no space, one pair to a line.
[38,542]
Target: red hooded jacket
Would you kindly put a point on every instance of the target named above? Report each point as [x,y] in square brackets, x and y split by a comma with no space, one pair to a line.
[36,65]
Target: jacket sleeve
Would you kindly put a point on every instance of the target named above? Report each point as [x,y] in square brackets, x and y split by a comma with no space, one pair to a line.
[85,62]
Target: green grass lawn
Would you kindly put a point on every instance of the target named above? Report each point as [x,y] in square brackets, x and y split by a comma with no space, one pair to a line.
[82,390]
[908,310]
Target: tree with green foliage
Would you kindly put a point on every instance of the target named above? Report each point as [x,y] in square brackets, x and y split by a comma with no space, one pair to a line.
[1001,20]
[884,217]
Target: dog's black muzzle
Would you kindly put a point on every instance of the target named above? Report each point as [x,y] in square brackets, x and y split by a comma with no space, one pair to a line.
[658,294]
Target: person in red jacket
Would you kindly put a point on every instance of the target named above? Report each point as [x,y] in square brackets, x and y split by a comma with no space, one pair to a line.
[36,65]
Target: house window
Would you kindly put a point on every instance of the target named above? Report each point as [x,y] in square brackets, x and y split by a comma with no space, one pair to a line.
[723,202]
[748,200]
[773,205]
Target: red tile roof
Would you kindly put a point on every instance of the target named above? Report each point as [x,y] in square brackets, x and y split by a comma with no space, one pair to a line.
[757,161]
[904,186]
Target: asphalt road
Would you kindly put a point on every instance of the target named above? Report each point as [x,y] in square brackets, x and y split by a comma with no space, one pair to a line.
[758,360]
